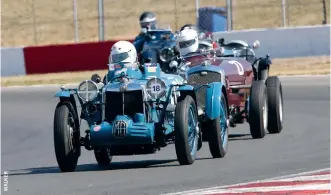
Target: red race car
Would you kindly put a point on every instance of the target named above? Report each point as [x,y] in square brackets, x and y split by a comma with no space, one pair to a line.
[251,94]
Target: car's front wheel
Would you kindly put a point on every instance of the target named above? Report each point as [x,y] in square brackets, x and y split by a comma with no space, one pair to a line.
[218,132]
[66,144]
[186,130]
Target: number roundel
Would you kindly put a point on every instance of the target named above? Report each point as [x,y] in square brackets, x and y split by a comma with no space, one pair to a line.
[156,88]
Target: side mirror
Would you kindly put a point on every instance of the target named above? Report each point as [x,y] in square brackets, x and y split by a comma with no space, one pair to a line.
[256,44]
[96,78]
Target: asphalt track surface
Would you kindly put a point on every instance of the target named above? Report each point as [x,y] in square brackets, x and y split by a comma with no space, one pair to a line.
[28,152]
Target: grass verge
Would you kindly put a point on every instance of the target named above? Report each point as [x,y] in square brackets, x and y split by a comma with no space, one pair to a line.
[288,66]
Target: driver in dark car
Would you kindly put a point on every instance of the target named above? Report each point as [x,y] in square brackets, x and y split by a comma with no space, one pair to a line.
[147,21]
[187,44]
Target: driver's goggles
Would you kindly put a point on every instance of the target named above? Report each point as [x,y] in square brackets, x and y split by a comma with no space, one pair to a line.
[145,24]
[119,57]
[186,44]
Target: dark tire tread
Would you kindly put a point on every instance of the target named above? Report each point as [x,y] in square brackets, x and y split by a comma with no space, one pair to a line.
[65,155]
[274,90]
[102,157]
[257,100]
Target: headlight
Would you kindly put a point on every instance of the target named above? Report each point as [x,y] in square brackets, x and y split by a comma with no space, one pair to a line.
[87,90]
[156,88]
[166,54]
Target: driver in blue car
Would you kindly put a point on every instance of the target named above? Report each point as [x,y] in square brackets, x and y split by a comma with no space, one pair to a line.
[147,21]
[123,55]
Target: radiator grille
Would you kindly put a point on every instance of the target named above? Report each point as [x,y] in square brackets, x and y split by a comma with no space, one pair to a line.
[123,103]
[197,79]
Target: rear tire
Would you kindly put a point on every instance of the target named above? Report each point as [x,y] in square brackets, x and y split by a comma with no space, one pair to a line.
[275,105]
[186,136]
[258,110]
[218,143]
[103,156]
[67,147]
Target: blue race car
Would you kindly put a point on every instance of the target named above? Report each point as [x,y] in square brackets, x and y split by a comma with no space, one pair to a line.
[138,111]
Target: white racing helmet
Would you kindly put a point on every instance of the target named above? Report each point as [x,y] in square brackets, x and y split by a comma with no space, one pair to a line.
[187,41]
[123,52]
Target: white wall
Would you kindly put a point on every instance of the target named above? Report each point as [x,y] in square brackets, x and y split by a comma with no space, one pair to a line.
[12,62]
[285,43]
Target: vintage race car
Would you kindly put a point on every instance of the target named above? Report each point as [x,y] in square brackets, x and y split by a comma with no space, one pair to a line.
[138,111]
[249,91]
[206,42]
[159,44]
[241,49]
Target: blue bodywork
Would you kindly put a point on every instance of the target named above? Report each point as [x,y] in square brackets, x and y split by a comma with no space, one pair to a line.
[139,131]
[154,121]
[213,95]
[215,90]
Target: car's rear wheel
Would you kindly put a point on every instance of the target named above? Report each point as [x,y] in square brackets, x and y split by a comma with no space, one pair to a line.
[103,156]
[275,104]
[258,110]
[67,146]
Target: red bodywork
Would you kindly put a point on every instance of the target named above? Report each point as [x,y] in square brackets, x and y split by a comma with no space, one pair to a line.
[236,97]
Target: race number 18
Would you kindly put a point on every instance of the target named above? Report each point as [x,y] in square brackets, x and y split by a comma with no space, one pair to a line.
[156,88]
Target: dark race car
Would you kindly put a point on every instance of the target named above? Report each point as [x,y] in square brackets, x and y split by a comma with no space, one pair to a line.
[249,96]
[158,46]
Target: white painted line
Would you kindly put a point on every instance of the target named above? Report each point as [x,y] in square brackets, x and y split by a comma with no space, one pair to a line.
[300,76]
[304,178]
[299,174]
[245,183]
[267,189]
[38,86]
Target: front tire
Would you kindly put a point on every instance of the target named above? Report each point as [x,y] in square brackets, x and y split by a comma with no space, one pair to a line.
[258,110]
[67,146]
[275,105]
[218,132]
[186,135]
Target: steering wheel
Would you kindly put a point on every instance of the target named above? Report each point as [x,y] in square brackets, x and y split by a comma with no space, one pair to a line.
[120,77]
